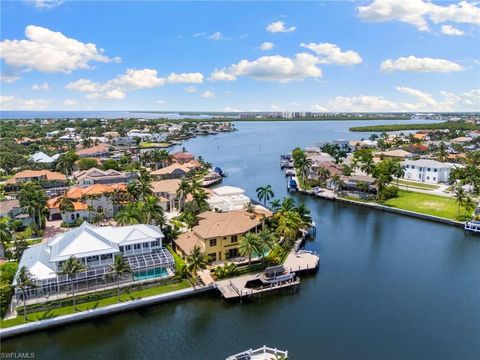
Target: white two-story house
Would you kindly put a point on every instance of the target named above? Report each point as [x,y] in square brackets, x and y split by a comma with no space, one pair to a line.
[96,247]
[425,170]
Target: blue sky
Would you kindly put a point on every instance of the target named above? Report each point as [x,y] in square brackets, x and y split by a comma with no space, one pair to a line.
[381,55]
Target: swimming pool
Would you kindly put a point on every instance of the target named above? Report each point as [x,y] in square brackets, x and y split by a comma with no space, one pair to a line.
[150,273]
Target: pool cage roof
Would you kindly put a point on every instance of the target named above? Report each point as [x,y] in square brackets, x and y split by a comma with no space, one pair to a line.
[161,257]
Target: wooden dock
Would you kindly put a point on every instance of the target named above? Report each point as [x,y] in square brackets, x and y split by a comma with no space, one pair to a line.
[301,261]
[235,288]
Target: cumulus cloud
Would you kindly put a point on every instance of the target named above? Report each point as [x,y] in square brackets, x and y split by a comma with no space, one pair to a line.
[419,12]
[208,94]
[131,80]
[272,68]
[14,103]
[49,51]
[43,86]
[450,30]
[414,64]
[44,4]
[265,46]
[421,102]
[279,26]
[331,54]
[8,78]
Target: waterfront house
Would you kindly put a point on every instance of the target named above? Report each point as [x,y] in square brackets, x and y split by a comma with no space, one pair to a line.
[97,176]
[332,168]
[173,171]
[98,151]
[228,198]
[47,179]
[182,157]
[425,170]
[218,233]
[96,247]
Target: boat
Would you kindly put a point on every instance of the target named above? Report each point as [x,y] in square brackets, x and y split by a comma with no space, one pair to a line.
[263,353]
[289,172]
[292,185]
[276,274]
[220,172]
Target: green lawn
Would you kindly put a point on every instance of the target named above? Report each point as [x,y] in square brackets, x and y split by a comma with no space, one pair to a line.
[48,314]
[416,184]
[426,204]
[154,145]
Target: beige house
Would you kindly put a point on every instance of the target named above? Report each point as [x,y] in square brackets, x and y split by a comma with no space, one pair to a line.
[218,234]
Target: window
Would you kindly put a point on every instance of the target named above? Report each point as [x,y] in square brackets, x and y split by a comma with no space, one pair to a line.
[145,245]
[128,247]
[428,177]
[434,179]
[234,238]
[213,242]
[434,170]
[428,169]
[154,243]
[137,246]
[72,216]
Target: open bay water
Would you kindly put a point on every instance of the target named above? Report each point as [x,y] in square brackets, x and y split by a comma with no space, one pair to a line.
[388,287]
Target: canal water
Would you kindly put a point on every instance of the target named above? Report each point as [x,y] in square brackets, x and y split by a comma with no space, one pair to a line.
[388,287]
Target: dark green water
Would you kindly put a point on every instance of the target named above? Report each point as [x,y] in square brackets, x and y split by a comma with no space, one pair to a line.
[389,286]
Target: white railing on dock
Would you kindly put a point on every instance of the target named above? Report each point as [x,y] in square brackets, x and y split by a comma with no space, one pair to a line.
[472,226]
[264,350]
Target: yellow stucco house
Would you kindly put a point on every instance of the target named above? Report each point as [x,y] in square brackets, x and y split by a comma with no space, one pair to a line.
[218,233]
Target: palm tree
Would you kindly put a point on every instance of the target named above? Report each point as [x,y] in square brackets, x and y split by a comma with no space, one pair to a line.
[33,200]
[249,245]
[304,213]
[398,171]
[195,187]
[368,166]
[336,181]
[152,209]
[183,189]
[267,240]
[25,280]
[134,190]
[119,268]
[289,224]
[145,184]
[249,207]
[6,233]
[65,162]
[71,267]
[265,193]
[323,174]
[459,197]
[275,204]
[442,152]
[130,214]
[381,182]
[287,204]
[196,261]
[65,204]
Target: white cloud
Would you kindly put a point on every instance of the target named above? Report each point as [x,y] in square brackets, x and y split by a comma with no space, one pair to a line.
[43,86]
[49,51]
[279,26]
[272,68]
[450,30]
[131,80]
[185,78]
[199,34]
[8,78]
[70,102]
[208,94]
[45,4]
[414,64]
[424,102]
[419,12]
[216,36]
[265,46]
[191,89]
[332,54]
[14,103]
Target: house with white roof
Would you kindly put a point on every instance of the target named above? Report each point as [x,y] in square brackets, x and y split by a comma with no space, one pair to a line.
[96,247]
[227,198]
[42,158]
[426,170]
